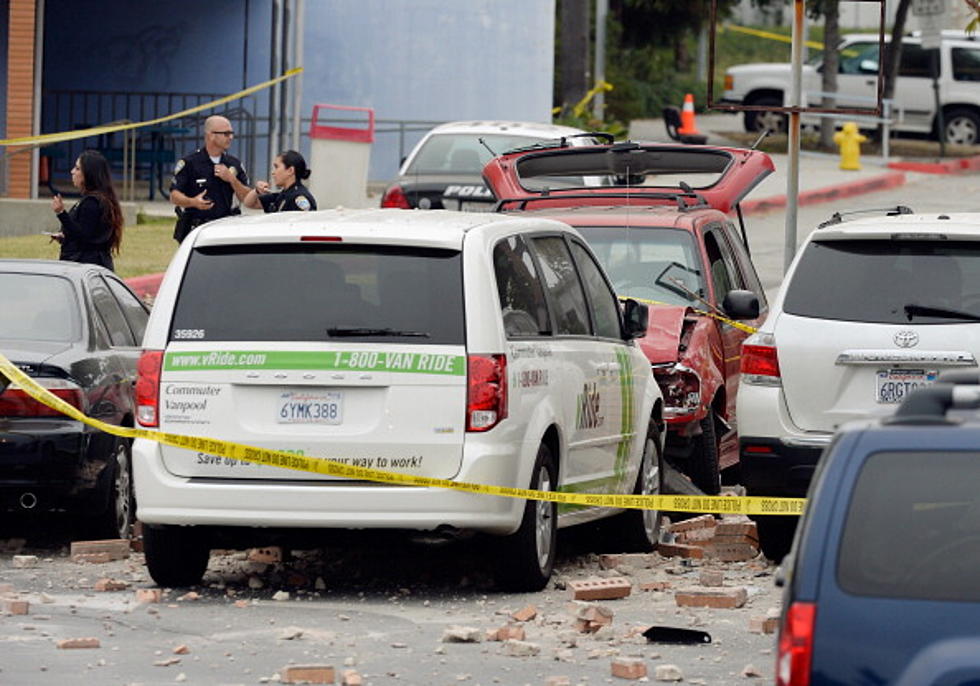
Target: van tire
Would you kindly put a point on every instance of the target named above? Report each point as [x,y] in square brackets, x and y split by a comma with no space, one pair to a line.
[175,555]
[526,558]
[639,530]
[703,467]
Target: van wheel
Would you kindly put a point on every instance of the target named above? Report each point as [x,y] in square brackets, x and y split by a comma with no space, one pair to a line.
[116,520]
[776,535]
[703,467]
[639,530]
[527,557]
[175,555]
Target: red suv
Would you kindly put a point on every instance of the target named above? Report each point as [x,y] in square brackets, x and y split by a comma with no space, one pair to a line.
[657,217]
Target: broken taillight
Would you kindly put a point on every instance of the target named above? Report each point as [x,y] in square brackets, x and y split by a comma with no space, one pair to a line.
[681,388]
[15,402]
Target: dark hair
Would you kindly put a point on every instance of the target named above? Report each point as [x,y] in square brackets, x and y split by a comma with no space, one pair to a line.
[98,182]
[291,158]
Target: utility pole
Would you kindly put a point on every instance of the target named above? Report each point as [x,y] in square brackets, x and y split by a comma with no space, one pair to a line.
[599,101]
[793,177]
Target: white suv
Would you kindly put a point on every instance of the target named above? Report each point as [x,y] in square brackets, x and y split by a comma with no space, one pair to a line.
[959,85]
[462,346]
[869,310]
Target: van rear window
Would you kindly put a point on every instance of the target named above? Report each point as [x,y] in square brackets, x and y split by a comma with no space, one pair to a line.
[321,292]
[913,527]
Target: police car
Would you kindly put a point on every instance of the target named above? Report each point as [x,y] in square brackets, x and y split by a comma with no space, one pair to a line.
[444,170]
[469,347]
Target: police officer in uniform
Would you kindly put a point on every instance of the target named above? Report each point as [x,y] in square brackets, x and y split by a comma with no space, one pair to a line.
[288,173]
[207,181]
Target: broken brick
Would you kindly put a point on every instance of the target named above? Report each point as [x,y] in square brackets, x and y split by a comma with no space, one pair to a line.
[600,589]
[629,668]
[24,561]
[655,586]
[712,577]
[722,598]
[6,588]
[557,681]
[506,633]
[182,649]
[100,551]
[149,595]
[351,678]
[73,643]
[107,584]
[699,522]
[680,550]
[763,625]
[525,614]
[14,606]
[731,552]
[311,674]
[737,528]
[269,556]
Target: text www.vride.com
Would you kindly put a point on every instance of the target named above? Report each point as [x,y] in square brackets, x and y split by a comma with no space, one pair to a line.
[218,358]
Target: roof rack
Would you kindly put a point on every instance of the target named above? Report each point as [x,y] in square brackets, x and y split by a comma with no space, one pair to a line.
[838,217]
[682,199]
[606,138]
[954,390]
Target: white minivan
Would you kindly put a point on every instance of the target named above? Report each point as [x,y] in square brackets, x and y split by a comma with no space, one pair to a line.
[462,346]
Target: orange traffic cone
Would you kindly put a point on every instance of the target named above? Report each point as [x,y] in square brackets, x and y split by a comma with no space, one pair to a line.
[688,126]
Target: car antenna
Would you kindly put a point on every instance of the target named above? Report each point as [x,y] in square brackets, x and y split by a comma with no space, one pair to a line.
[484,144]
[762,137]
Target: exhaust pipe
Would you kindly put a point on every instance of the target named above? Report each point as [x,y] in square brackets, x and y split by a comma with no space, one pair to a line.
[28,500]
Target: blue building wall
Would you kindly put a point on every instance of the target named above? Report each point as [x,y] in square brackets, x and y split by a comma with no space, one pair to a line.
[408,59]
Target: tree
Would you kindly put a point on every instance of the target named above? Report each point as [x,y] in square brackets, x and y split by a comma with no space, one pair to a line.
[831,37]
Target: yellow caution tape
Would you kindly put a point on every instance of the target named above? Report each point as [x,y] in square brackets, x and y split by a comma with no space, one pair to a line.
[315,465]
[48,138]
[738,325]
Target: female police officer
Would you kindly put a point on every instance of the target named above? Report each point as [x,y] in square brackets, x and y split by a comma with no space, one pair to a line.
[288,173]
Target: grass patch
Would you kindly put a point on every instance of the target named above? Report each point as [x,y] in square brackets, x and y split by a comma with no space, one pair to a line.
[146,248]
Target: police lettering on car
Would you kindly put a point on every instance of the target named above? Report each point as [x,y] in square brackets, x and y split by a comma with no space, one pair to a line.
[288,172]
[207,182]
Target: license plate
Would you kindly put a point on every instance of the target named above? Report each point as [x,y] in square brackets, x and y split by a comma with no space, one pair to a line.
[894,385]
[310,408]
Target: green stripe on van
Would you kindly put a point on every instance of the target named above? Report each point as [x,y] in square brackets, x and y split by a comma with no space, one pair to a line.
[337,360]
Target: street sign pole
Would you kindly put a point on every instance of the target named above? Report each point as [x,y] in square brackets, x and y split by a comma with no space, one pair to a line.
[793,130]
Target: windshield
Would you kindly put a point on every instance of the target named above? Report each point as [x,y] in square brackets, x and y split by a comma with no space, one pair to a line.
[659,264]
[462,153]
[887,281]
[321,293]
[38,307]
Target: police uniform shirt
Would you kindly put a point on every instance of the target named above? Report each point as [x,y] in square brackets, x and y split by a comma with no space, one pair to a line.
[195,173]
[295,198]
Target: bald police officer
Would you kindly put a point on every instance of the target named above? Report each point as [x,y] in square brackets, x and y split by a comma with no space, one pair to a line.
[207,181]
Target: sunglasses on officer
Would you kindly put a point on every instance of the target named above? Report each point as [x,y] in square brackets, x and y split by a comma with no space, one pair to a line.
[223,133]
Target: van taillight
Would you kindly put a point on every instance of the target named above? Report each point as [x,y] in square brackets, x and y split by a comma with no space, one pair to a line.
[15,402]
[148,388]
[395,197]
[796,645]
[486,396]
[760,361]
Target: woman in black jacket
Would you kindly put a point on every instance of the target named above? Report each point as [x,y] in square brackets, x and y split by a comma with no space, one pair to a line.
[91,231]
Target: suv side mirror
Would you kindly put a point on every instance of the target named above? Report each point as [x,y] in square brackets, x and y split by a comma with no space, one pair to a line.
[637,317]
[740,304]
[868,67]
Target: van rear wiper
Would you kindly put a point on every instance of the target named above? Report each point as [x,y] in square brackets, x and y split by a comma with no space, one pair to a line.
[365,331]
[912,310]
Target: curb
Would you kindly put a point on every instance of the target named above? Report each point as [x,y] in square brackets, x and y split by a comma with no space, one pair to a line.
[869,184]
[957,166]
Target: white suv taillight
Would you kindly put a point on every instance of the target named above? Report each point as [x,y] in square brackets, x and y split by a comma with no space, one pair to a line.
[148,388]
[760,362]
[796,645]
[486,396]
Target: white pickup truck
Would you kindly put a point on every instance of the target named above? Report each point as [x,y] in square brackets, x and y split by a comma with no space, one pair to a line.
[914,108]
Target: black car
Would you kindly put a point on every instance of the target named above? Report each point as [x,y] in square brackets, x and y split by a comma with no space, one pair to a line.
[444,170]
[881,582]
[76,329]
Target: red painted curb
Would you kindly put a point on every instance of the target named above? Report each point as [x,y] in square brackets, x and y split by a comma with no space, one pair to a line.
[870,184]
[146,285]
[957,166]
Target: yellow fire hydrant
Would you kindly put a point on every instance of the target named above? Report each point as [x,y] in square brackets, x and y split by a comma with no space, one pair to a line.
[849,140]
